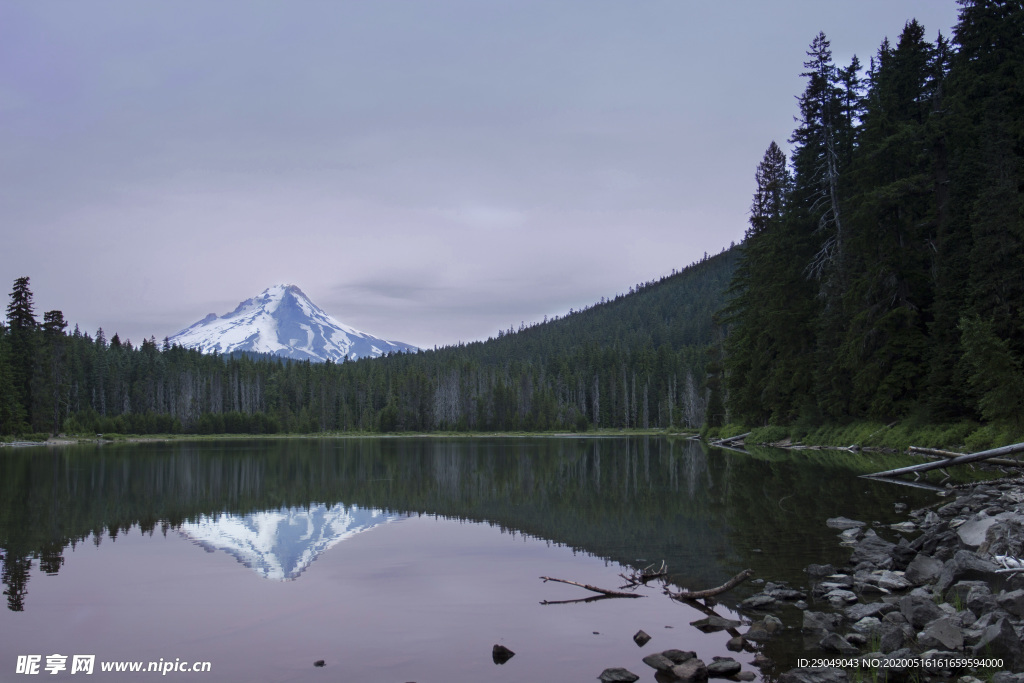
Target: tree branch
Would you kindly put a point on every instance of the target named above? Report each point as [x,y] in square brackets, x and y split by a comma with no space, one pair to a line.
[696,595]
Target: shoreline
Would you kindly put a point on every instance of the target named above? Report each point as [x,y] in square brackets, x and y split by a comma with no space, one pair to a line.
[936,604]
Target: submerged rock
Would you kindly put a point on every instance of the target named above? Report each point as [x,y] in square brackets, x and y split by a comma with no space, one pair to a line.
[690,671]
[843,523]
[723,667]
[715,623]
[618,675]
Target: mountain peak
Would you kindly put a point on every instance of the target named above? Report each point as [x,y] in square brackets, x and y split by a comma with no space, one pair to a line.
[283,321]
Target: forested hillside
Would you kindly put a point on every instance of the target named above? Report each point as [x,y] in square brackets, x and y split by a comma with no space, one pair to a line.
[882,274]
[637,360]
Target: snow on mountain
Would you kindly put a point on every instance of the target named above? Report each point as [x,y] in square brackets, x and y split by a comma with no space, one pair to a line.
[283,321]
[280,544]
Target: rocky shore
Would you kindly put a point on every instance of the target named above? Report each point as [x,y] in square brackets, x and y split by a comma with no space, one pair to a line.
[937,602]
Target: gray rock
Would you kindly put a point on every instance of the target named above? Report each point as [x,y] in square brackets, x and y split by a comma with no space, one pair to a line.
[822,622]
[986,620]
[895,617]
[893,581]
[1005,538]
[961,589]
[1007,677]
[906,527]
[892,638]
[723,667]
[834,642]
[659,662]
[981,601]
[679,656]
[715,623]
[973,532]
[850,536]
[902,554]
[919,611]
[815,675]
[746,676]
[942,633]
[772,623]
[690,670]
[736,644]
[857,639]
[923,569]
[786,594]
[828,586]
[761,661]
[618,675]
[758,602]
[757,633]
[843,523]
[1012,602]
[964,565]
[870,609]
[873,550]
[868,626]
[641,638]
[841,597]
[1001,640]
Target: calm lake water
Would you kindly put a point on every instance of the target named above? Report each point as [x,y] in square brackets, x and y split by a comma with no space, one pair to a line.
[405,559]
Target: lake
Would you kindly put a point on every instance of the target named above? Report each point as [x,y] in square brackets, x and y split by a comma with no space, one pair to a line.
[406,559]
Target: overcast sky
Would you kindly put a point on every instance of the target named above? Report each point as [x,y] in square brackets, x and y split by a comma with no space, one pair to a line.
[425,171]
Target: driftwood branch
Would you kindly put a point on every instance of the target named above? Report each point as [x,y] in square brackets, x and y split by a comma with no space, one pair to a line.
[595,589]
[697,595]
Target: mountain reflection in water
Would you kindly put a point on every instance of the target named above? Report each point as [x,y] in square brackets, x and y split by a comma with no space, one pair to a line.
[280,544]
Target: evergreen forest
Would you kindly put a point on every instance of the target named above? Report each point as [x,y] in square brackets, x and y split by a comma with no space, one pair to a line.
[882,275]
[881,278]
[635,361]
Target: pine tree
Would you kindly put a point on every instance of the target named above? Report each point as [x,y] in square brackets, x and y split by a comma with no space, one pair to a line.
[981,248]
[891,230]
[22,329]
[757,296]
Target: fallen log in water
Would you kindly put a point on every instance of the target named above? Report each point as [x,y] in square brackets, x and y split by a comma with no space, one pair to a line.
[950,454]
[697,595]
[959,460]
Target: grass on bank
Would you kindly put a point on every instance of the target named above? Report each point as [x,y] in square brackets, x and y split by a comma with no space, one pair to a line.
[965,436]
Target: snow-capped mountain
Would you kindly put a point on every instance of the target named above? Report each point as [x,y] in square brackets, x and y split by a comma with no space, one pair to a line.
[280,544]
[283,321]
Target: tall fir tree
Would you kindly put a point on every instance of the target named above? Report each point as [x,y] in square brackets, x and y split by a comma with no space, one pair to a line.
[21,324]
[891,230]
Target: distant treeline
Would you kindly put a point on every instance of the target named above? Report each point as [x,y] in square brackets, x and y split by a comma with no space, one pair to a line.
[882,274]
[634,361]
